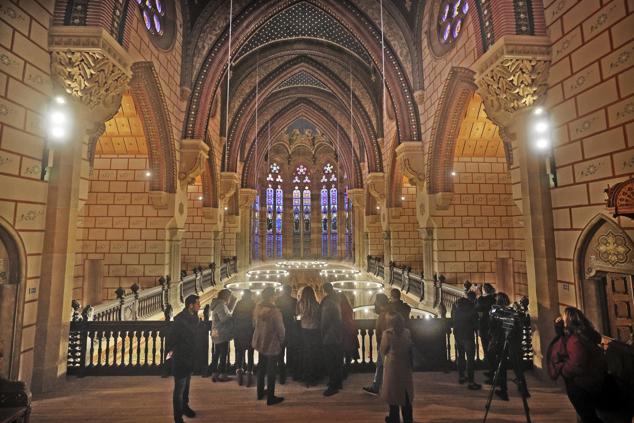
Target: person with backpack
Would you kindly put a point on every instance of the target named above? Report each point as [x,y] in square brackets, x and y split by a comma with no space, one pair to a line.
[243,331]
[221,334]
[576,356]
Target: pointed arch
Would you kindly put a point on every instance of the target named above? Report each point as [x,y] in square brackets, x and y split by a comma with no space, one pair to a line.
[149,100]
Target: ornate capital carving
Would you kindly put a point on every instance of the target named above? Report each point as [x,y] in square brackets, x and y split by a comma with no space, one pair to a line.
[194,153]
[247,197]
[410,156]
[90,66]
[512,75]
[229,183]
[357,196]
[376,186]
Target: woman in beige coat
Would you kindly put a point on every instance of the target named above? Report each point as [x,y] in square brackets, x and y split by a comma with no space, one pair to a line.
[268,337]
[398,385]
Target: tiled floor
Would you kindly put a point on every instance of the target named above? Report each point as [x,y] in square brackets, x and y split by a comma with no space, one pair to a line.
[148,399]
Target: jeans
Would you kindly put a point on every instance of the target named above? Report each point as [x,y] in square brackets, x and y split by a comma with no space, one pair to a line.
[219,358]
[180,398]
[333,355]
[377,382]
[241,363]
[466,347]
[406,410]
[267,367]
[310,354]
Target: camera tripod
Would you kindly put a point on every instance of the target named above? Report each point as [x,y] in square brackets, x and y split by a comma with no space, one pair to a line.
[513,354]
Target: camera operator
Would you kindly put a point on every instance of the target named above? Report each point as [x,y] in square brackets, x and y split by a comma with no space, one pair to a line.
[483,307]
[495,348]
[465,319]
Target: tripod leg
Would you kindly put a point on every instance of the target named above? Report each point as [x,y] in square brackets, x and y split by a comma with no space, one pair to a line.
[521,381]
[495,379]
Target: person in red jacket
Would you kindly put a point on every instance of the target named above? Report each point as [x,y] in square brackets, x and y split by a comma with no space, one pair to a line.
[576,356]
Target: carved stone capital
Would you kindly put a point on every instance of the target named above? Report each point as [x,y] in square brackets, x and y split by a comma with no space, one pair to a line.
[194,154]
[512,75]
[229,183]
[159,199]
[247,197]
[357,196]
[442,200]
[410,156]
[376,186]
[90,66]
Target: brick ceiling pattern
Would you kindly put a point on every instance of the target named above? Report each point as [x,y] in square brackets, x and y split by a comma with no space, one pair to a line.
[124,133]
[302,79]
[478,137]
[304,20]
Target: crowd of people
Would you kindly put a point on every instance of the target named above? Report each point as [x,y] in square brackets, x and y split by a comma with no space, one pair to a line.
[308,340]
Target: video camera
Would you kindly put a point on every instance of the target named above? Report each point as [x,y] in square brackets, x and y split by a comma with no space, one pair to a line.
[510,318]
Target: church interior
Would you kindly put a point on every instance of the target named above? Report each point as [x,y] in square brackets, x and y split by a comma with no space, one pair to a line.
[151,150]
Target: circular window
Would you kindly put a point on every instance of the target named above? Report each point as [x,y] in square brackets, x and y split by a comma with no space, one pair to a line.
[159,19]
[446,24]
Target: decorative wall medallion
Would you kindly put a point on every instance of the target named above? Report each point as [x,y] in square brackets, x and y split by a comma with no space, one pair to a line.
[627,111]
[612,248]
[31,215]
[590,170]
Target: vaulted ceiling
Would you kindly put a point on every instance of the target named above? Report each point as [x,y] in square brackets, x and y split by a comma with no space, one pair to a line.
[316,60]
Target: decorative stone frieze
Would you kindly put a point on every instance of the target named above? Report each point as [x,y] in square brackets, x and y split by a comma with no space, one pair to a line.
[247,197]
[194,153]
[410,156]
[90,66]
[513,75]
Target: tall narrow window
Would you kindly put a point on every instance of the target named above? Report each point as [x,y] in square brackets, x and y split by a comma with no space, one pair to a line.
[274,212]
[269,221]
[297,210]
[256,228]
[329,208]
[324,221]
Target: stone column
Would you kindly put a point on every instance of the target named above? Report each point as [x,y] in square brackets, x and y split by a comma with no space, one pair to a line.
[512,80]
[175,237]
[357,198]
[92,70]
[247,198]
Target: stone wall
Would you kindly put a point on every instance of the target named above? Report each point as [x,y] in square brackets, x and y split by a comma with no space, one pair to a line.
[406,242]
[592,107]
[198,244]
[24,90]
[119,229]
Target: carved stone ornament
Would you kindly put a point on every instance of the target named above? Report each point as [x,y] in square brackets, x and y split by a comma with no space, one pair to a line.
[357,196]
[247,197]
[194,154]
[410,156]
[229,183]
[159,199]
[213,216]
[612,248]
[512,75]
[621,198]
[89,65]
[376,186]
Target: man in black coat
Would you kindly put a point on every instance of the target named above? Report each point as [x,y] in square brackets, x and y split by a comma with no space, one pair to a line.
[331,325]
[288,306]
[396,305]
[465,319]
[181,347]
[483,307]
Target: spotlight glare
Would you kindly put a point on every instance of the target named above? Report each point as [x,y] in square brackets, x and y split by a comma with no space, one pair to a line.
[148,173]
[226,208]
[453,173]
[60,100]
[538,111]
[403,198]
[57,132]
[200,198]
[542,143]
[58,118]
[378,208]
[541,127]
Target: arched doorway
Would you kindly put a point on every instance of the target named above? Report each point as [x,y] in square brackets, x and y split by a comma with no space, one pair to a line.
[11,296]
[605,269]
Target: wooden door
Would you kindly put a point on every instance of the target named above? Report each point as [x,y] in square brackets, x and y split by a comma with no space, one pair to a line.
[620,301]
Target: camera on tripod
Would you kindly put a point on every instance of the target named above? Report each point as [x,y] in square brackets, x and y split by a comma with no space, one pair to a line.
[510,318]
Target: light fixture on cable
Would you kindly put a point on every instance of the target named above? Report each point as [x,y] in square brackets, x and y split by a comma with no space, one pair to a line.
[540,130]
[59,122]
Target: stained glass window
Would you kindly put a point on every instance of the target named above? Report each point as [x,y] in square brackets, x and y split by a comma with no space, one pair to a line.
[297,210]
[306,199]
[333,209]
[324,210]
[451,16]
[153,12]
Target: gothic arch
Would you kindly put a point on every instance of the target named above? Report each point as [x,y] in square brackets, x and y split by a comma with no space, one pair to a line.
[454,99]
[12,293]
[149,100]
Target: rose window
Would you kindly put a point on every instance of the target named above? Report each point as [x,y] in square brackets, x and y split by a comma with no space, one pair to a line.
[451,17]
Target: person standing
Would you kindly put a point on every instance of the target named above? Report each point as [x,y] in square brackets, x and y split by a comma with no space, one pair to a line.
[221,334]
[243,334]
[575,355]
[181,349]
[496,358]
[483,307]
[380,308]
[268,338]
[465,320]
[399,306]
[308,310]
[287,304]
[331,326]
[398,383]
[350,338]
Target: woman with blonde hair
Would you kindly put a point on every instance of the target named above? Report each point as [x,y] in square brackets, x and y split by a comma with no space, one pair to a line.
[398,383]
